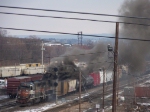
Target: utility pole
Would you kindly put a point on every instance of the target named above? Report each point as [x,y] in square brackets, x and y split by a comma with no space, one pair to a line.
[103,87]
[56,87]
[80,91]
[42,53]
[80,38]
[49,59]
[118,73]
[15,69]
[134,89]
[115,69]
[56,78]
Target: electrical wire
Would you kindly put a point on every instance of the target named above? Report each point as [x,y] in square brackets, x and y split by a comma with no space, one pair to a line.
[65,56]
[110,37]
[21,43]
[58,17]
[74,12]
[82,54]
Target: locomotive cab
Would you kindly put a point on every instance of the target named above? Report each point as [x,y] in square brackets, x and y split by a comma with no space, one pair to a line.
[25,93]
[33,92]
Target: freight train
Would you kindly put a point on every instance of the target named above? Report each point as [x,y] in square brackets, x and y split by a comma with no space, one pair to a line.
[37,91]
[30,92]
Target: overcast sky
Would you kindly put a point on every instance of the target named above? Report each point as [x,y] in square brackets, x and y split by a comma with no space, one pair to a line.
[60,25]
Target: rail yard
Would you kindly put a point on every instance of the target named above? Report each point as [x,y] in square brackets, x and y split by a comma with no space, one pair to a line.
[63,86]
[75,56]
[70,101]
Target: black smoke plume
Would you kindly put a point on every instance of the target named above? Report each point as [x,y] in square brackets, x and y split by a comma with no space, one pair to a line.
[134,53]
[95,58]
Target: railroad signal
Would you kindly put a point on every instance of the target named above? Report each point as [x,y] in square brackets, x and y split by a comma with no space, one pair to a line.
[50,82]
[55,84]
[55,77]
[110,48]
[110,51]
[47,76]
[55,69]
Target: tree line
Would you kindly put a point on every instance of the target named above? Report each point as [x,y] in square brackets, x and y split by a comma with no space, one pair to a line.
[15,51]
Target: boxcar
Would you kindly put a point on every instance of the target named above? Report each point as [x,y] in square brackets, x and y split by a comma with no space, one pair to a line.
[96,78]
[66,86]
[142,91]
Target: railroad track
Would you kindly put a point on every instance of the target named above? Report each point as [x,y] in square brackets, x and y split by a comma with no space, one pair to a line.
[7,106]
[92,96]
[108,107]
[85,98]
[5,100]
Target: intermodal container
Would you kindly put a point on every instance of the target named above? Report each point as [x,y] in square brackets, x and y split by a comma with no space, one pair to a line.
[10,71]
[34,70]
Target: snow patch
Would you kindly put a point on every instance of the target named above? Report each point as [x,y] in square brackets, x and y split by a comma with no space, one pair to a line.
[3,97]
[40,109]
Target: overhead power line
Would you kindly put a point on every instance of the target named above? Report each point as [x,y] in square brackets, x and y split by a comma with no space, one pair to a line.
[75,12]
[90,53]
[59,17]
[16,44]
[111,37]
[80,54]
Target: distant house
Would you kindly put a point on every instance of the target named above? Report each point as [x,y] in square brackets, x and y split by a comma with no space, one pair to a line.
[53,44]
[69,45]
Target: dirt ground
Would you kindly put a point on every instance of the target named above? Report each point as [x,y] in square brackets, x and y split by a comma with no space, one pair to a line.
[119,109]
[86,106]
[70,108]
